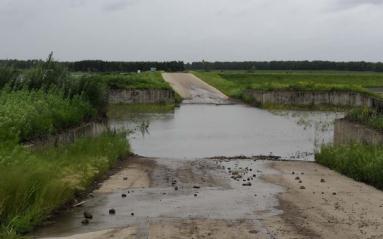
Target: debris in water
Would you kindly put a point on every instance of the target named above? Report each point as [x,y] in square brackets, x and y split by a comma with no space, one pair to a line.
[123,195]
[196,187]
[112,211]
[248,184]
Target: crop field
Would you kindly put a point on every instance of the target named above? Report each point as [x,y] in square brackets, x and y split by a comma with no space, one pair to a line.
[233,83]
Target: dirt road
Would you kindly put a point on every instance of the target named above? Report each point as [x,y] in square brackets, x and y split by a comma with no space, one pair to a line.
[216,198]
[193,90]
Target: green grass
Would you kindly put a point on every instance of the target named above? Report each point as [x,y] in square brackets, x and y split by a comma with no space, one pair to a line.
[34,183]
[367,117]
[144,80]
[234,83]
[29,114]
[361,162]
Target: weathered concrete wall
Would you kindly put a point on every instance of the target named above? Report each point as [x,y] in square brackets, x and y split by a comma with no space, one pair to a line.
[285,97]
[348,132]
[91,129]
[149,96]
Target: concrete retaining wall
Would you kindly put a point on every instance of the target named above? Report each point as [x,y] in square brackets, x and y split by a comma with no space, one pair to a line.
[149,96]
[336,98]
[347,132]
[91,129]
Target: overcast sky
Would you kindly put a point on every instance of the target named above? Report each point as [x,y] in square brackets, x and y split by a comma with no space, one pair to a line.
[192,30]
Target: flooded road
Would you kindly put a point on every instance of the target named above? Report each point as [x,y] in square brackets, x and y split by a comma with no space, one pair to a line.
[198,131]
[176,192]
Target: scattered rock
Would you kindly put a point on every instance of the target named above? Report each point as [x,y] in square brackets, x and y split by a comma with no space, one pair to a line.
[196,187]
[85,222]
[302,173]
[302,187]
[132,214]
[112,211]
[248,184]
[88,215]
[125,178]
[322,180]
[293,172]
[176,188]
[300,181]
[123,195]
[195,195]
[297,178]
[333,193]
[253,232]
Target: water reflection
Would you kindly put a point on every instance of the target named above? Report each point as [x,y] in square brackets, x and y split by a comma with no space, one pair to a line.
[196,131]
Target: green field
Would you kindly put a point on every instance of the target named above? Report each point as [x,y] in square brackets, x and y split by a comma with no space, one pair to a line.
[233,83]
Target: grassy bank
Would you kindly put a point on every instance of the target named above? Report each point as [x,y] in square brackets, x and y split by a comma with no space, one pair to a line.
[33,183]
[234,83]
[29,114]
[366,116]
[361,162]
[144,80]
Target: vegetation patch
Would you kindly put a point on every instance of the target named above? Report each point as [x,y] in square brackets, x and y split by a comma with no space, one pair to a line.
[33,183]
[144,80]
[280,80]
[361,162]
[366,116]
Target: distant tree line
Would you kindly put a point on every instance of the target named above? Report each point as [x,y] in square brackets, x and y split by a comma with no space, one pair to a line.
[109,66]
[287,65]
[102,66]
[171,66]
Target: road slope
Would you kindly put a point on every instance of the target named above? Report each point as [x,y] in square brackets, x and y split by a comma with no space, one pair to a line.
[193,90]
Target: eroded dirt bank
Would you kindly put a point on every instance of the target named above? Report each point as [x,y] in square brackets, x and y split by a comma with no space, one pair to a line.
[224,198]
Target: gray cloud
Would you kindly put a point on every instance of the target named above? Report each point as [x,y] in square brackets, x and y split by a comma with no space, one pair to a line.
[346,4]
[118,5]
[192,29]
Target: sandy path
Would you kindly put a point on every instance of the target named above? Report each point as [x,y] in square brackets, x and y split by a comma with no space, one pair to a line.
[200,199]
[337,208]
[193,90]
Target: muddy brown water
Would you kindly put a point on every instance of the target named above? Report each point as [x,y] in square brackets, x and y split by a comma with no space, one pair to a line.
[198,131]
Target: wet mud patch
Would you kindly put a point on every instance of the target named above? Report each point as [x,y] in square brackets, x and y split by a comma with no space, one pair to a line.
[182,191]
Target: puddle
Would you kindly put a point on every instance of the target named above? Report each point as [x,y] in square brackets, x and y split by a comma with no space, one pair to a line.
[198,131]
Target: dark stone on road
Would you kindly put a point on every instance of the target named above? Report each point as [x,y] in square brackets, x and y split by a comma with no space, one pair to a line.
[88,215]
[112,211]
